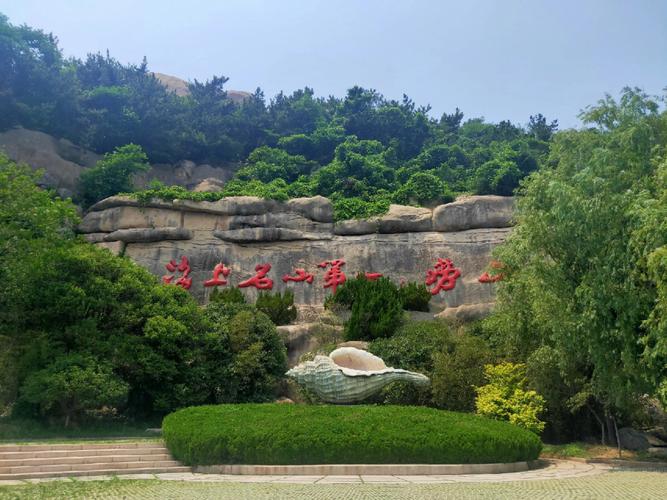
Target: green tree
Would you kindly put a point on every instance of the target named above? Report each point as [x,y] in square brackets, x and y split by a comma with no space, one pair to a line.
[73,386]
[585,265]
[113,174]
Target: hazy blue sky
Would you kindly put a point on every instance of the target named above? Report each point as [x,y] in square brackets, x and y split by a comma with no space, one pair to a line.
[503,59]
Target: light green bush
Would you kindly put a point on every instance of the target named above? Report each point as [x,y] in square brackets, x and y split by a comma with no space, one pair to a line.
[506,397]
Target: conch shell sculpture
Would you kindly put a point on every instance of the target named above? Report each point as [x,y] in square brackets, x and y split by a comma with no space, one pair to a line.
[349,375]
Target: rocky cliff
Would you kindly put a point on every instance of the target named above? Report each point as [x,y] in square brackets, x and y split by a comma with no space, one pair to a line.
[62,162]
[245,232]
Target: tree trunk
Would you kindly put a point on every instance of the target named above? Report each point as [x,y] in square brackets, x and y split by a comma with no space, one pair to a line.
[600,422]
[618,440]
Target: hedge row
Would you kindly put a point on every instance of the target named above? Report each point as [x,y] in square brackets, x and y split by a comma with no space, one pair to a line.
[311,434]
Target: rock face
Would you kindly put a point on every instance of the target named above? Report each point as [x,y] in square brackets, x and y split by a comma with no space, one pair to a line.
[473,212]
[63,162]
[245,231]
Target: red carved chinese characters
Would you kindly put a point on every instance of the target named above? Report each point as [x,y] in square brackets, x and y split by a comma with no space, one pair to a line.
[443,274]
[487,278]
[373,276]
[301,275]
[219,269]
[259,280]
[184,268]
[334,276]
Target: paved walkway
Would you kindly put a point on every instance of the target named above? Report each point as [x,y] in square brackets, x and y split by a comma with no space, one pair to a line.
[573,482]
[554,469]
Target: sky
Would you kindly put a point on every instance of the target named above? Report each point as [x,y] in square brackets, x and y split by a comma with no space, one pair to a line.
[504,59]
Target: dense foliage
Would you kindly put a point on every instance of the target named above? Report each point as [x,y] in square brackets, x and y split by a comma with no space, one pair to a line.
[376,307]
[585,282]
[363,151]
[453,359]
[415,296]
[113,174]
[82,329]
[279,307]
[325,434]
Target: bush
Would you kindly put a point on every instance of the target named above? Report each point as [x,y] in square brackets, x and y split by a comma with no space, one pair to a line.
[415,296]
[278,307]
[506,397]
[377,310]
[457,369]
[112,174]
[227,296]
[72,386]
[256,359]
[412,348]
[454,361]
[308,434]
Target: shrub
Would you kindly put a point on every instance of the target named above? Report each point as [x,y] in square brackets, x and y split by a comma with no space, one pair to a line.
[278,307]
[454,361]
[457,369]
[506,397]
[415,296]
[412,348]
[112,174]
[72,386]
[227,296]
[323,434]
[256,359]
[376,306]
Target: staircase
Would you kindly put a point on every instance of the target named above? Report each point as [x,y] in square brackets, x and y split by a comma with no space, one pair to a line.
[60,460]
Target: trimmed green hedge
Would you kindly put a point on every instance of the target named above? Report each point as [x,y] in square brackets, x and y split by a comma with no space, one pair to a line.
[312,434]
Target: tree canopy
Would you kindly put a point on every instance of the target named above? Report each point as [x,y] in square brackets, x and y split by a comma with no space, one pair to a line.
[362,145]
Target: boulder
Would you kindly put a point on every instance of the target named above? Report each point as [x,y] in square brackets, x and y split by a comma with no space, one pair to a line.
[128,217]
[147,235]
[474,212]
[61,161]
[232,205]
[267,234]
[356,226]
[632,439]
[317,208]
[467,312]
[303,338]
[128,201]
[287,220]
[405,219]
[209,185]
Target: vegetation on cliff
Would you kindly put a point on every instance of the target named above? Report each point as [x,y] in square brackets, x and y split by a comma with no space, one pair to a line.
[362,150]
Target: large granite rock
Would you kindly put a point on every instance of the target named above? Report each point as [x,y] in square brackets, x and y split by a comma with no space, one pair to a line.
[474,212]
[246,231]
[404,219]
[63,162]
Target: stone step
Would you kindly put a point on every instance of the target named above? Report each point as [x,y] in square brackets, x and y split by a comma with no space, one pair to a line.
[17,455]
[29,469]
[88,459]
[95,472]
[81,446]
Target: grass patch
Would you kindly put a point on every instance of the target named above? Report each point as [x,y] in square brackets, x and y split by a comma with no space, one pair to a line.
[325,434]
[18,430]
[584,450]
